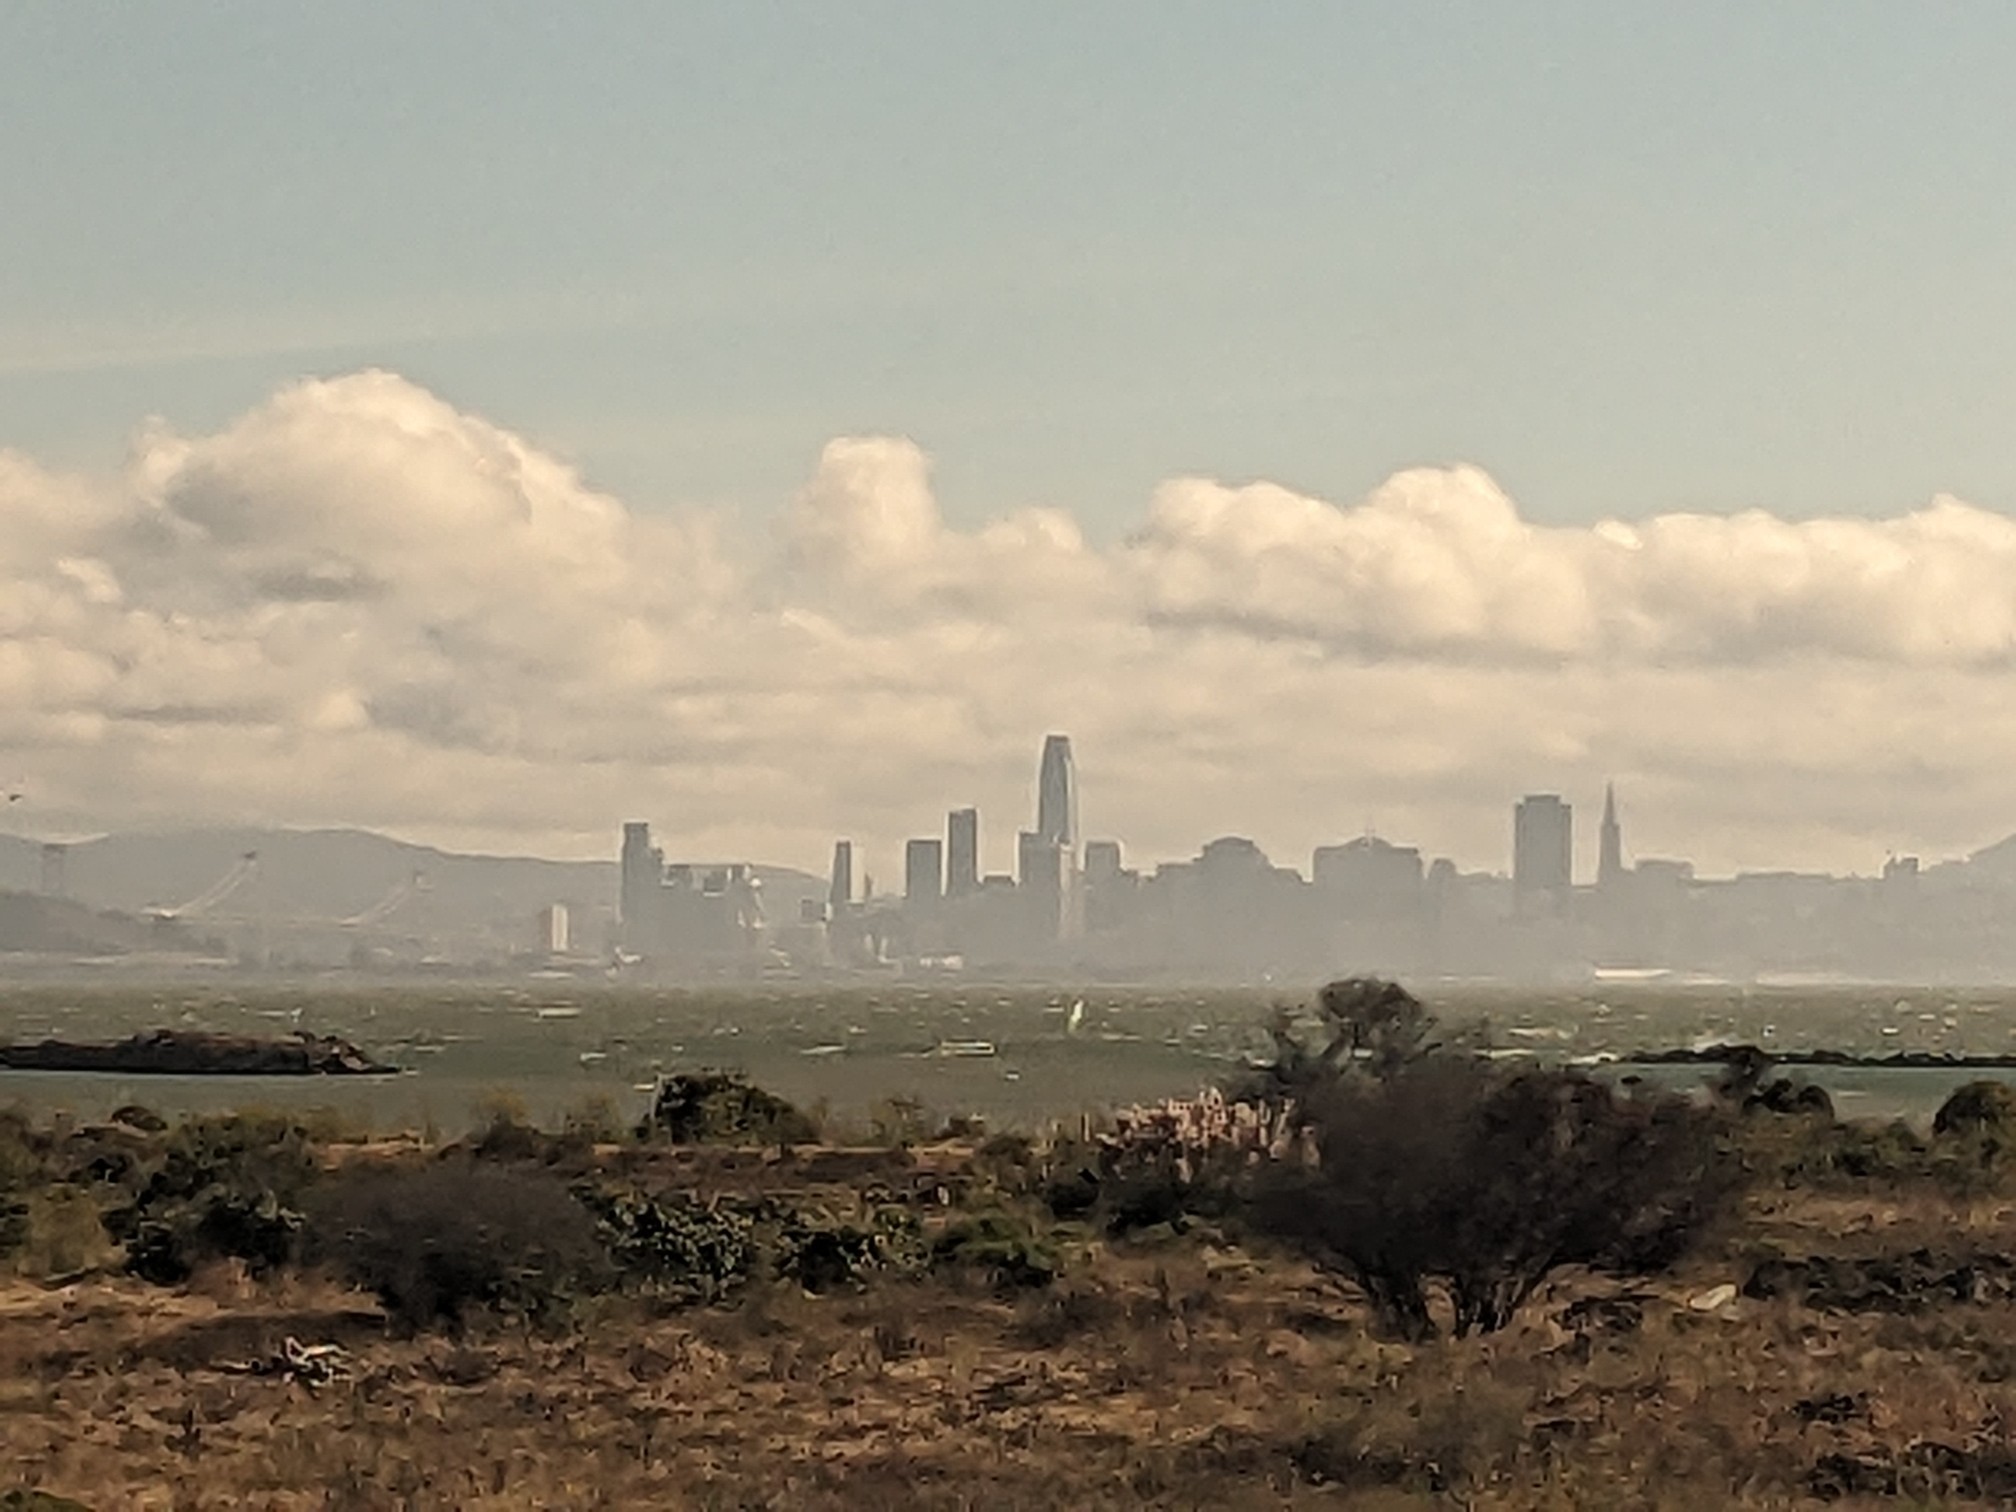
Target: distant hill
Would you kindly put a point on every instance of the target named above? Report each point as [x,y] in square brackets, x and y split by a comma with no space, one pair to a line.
[336,878]
[60,926]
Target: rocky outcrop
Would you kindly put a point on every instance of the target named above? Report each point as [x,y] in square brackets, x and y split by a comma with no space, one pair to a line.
[179,1052]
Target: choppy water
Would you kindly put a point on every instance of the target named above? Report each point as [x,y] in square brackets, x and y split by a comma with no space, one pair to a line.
[853,1047]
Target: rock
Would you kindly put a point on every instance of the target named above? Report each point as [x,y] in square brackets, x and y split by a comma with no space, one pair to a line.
[1712,1300]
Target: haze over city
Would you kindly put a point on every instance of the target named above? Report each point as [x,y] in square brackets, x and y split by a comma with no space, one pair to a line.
[773,425]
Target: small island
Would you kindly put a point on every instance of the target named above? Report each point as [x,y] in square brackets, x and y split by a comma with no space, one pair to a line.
[185,1052]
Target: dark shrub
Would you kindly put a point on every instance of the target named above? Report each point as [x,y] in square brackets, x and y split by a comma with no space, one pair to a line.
[1746,1085]
[23,1171]
[1981,1108]
[226,1185]
[821,1253]
[1449,1172]
[722,1107]
[1791,1099]
[21,1499]
[1362,1024]
[434,1243]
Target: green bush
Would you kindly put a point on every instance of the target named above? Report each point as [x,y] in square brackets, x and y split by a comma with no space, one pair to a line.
[999,1245]
[436,1243]
[723,1107]
[820,1252]
[674,1244]
[226,1185]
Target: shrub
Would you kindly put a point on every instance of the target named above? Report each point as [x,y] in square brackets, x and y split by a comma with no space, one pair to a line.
[673,1244]
[436,1242]
[1362,1024]
[899,1122]
[60,1233]
[23,1171]
[722,1107]
[1448,1173]
[595,1120]
[821,1253]
[1981,1109]
[227,1185]
[999,1245]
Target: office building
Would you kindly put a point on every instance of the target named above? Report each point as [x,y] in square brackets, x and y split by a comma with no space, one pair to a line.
[1543,848]
[1367,876]
[962,852]
[1102,862]
[840,889]
[642,871]
[1057,796]
[923,873]
[1043,881]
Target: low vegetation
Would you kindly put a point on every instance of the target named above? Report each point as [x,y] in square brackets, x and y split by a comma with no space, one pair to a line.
[1385,1268]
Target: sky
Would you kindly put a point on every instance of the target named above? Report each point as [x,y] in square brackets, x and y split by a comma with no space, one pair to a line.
[490,422]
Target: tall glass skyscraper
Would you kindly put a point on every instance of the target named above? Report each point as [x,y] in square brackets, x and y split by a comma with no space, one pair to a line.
[1057,796]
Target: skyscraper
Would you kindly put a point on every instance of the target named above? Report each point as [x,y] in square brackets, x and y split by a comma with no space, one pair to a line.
[642,870]
[840,890]
[1543,848]
[1043,882]
[962,852]
[1057,796]
[923,872]
[1610,859]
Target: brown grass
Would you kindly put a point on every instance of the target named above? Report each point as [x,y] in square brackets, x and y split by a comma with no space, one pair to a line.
[1181,1373]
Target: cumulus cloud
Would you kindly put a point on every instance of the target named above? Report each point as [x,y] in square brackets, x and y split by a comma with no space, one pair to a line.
[359,604]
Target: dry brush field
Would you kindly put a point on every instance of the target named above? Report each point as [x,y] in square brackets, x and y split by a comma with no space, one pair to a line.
[1168,1369]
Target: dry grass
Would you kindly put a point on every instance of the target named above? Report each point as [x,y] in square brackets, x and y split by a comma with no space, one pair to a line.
[1177,1375]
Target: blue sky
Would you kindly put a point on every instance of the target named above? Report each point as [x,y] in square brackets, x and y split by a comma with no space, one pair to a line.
[1628,257]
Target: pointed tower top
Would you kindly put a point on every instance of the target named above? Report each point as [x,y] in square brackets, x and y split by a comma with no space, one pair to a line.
[1610,859]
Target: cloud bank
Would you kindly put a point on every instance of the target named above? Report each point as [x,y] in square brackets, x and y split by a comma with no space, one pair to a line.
[357,604]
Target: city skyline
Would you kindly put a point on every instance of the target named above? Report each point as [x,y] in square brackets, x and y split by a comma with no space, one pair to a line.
[1368,904]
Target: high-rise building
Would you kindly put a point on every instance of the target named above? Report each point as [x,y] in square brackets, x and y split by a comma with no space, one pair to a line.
[1043,881]
[641,871]
[1057,796]
[840,890]
[923,872]
[551,932]
[1102,862]
[1543,847]
[962,852]
[1610,858]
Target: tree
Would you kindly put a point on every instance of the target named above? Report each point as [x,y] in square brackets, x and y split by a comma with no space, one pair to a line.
[1426,1171]
[1363,1025]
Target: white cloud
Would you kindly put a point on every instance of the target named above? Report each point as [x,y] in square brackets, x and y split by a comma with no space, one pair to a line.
[357,604]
